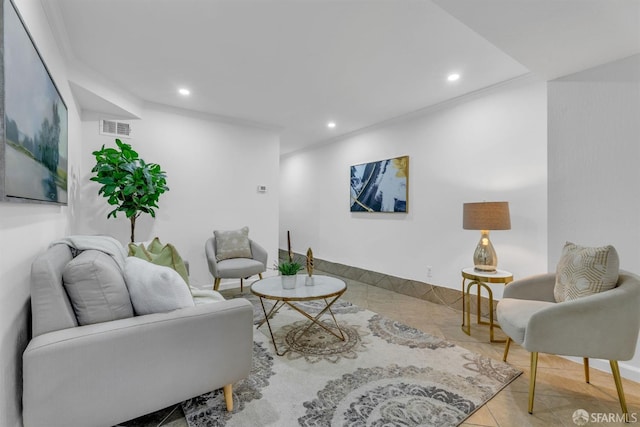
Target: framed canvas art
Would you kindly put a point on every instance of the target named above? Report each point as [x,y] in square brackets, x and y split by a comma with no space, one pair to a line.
[33,151]
[380,186]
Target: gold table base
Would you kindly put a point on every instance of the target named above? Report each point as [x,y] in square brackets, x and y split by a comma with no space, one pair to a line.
[480,280]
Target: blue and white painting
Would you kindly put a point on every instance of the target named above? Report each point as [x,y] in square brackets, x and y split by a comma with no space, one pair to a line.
[380,186]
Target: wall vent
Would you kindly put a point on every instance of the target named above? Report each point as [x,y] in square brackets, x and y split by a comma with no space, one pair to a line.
[115,128]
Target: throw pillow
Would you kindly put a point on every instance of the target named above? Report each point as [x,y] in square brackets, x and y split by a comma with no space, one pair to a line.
[155,288]
[232,244]
[584,271]
[96,289]
[137,250]
[167,256]
[155,246]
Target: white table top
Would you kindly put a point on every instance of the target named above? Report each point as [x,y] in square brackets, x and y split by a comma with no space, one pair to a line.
[324,287]
[498,276]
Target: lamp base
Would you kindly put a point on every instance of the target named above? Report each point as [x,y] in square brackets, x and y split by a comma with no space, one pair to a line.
[484,269]
[484,257]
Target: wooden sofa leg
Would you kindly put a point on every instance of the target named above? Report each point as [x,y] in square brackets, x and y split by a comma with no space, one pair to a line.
[241,283]
[615,370]
[532,380]
[216,283]
[506,349]
[228,396]
[260,276]
[586,369]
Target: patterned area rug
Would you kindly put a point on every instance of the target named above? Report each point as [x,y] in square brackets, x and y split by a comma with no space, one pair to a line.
[383,374]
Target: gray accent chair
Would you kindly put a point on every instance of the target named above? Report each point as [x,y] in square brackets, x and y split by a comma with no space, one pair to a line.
[235,268]
[602,326]
[106,373]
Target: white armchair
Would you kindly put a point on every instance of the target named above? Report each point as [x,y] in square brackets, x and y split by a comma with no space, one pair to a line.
[235,268]
[602,326]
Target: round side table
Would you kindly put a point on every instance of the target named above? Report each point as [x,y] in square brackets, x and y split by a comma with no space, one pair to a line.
[480,279]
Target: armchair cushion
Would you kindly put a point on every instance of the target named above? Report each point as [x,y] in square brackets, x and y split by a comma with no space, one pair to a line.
[96,288]
[232,244]
[514,315]
[584,271]
[155,288]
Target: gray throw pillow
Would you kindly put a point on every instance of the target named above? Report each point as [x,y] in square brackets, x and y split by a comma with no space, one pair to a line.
[584,271]
[96,288]
[232,244]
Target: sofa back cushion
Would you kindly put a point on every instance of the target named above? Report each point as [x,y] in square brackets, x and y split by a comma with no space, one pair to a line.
[96,288]
[50,306]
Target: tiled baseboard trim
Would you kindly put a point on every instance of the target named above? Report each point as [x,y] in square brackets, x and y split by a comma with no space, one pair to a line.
[422,290]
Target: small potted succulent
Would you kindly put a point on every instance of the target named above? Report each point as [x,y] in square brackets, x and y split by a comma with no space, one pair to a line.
[289,270]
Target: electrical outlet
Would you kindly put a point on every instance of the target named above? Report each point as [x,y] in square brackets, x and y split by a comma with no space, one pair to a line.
[429,271]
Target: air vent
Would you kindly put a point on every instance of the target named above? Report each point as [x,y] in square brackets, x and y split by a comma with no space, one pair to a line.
[115,128]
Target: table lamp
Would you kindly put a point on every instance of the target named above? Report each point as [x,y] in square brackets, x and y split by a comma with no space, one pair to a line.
[486,216]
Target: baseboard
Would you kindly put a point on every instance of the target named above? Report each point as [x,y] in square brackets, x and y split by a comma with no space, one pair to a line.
[627,371]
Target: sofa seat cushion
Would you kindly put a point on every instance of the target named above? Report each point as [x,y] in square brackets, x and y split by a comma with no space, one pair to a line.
[239,267]
[155,288]
[514,314]
[584,271]
[96,289]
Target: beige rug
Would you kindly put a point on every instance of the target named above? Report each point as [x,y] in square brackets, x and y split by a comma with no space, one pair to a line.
[384,374]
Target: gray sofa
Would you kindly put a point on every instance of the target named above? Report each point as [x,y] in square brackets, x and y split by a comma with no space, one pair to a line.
[109,372]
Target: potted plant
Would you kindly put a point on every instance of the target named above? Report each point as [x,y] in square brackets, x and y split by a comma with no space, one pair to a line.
[128,182]
[289,270]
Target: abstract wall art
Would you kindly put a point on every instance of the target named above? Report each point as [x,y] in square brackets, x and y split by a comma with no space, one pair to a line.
[380,186]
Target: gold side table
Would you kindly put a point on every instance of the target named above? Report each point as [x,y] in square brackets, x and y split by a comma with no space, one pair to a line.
[480,279]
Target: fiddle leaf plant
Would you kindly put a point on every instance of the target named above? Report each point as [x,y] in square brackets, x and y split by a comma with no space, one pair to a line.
[128,182]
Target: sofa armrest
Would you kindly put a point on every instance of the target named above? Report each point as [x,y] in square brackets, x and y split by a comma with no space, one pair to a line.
[539,287]
[106,373]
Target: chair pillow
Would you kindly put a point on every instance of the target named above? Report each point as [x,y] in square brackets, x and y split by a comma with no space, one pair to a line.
[95,286]
[159,254]
[584,271]
[232,244]
[155,288]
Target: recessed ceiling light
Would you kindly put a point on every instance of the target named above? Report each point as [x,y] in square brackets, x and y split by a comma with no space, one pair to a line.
[183,91]
[331,125]
[453,77]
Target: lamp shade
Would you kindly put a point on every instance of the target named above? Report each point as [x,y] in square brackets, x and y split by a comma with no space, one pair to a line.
[486,216]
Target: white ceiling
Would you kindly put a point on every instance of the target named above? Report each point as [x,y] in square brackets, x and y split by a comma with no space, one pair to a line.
[293,65]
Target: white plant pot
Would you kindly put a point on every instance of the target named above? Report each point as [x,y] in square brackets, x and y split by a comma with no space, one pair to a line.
[289,282]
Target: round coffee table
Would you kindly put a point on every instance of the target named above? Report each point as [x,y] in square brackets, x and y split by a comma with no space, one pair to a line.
[326,288]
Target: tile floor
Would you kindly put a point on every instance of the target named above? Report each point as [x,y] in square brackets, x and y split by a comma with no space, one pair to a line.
[560,386]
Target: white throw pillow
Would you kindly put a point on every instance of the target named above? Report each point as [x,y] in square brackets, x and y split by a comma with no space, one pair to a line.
[584,271]
[232,244]
[155,288]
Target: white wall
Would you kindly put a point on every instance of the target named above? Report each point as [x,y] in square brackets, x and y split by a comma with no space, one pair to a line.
[489,146]
[594,152]
[27,229]
[213,170]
